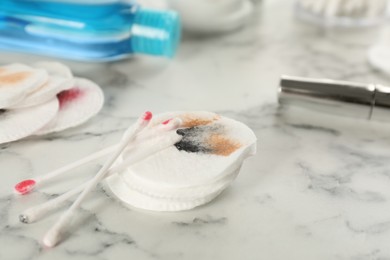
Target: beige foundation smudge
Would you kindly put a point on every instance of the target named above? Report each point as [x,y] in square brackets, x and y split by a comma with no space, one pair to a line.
[192,121]
[205,135]
[13,78]
[222,145]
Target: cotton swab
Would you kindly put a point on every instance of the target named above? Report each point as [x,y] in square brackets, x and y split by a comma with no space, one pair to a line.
[53,236]
[32,214]
[28,185]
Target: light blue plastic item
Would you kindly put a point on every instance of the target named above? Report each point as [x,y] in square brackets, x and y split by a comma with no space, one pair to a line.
[91,30]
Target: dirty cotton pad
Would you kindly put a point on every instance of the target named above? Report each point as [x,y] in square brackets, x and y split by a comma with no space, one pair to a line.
[193,171]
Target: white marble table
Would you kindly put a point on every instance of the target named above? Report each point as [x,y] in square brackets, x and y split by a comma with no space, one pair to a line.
[318,188]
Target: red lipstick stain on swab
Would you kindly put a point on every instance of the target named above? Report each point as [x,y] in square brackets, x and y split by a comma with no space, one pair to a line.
[67,96]
[148,115]
[166,121]
[25,186]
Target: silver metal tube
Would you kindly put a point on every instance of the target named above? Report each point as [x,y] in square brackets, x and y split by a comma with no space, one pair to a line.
[381,111]
[359,100]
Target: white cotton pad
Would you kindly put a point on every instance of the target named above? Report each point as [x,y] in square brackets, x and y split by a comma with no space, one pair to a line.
[133,198]
[46,92]
[17,81]
[213,16]
[54,69]
[60,79]
[192,172]
[77,105]
[19,123]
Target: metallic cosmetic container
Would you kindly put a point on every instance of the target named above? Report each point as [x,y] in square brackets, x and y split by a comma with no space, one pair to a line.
[359,100]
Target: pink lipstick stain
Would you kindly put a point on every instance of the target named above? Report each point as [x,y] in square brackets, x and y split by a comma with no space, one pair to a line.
[147,115]
[68,96]
[166,121]
[25,186]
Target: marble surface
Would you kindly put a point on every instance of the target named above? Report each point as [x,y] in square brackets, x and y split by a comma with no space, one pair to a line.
[318,188]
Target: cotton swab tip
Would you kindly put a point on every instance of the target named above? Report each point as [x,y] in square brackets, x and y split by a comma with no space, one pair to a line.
[25,186]
[147,115]
[166,121]
[32,214]
[24,219]
[51,238]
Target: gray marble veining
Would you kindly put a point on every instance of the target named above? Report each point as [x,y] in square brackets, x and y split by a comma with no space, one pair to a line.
[318,188]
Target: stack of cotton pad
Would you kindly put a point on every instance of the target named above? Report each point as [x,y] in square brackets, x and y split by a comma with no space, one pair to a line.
[192,172]
[43,98]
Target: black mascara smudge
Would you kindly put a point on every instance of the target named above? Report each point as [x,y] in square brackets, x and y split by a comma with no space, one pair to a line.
[194,138]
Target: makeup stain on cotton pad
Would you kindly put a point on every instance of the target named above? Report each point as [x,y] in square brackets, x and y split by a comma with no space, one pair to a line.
[192,121]
[67,96]
[13,78]
[77,105]
[193,172]
[208,139]
[2,112]
[222,145]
